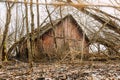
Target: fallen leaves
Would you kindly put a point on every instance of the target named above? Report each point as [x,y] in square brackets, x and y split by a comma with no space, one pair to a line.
[53,71]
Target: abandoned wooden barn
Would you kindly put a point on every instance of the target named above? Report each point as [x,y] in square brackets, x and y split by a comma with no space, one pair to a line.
[66,34]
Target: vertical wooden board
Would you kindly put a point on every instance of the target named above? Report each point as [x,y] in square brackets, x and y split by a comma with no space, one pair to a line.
[60,42]
[48,42]
[73,36]
[59,30]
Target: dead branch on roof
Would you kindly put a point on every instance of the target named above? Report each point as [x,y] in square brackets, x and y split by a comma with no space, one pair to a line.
[111,25]
[51,25]
[106,14]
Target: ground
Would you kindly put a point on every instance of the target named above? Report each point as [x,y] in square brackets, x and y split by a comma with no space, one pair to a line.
[87,70]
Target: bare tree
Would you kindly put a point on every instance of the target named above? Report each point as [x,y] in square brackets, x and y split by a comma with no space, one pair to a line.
[32,45]
[23,23]
[3,48]
[27,29]
[38,20]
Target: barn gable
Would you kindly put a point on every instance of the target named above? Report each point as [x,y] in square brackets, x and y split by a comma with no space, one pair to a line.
[66,34]
[69,18]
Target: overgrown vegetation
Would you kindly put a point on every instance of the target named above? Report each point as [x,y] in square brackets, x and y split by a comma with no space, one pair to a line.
[22,23]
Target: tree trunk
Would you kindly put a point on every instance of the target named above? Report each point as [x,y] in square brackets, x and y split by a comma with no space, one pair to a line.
[38,20]
[5,33]
[32,46]
[27,28]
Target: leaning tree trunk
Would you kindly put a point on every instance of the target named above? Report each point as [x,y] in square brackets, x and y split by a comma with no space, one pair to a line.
[53,28]
[5,33]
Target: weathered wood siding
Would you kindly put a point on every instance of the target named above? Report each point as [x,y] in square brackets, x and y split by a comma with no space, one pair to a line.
[68,36]
[66,33]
